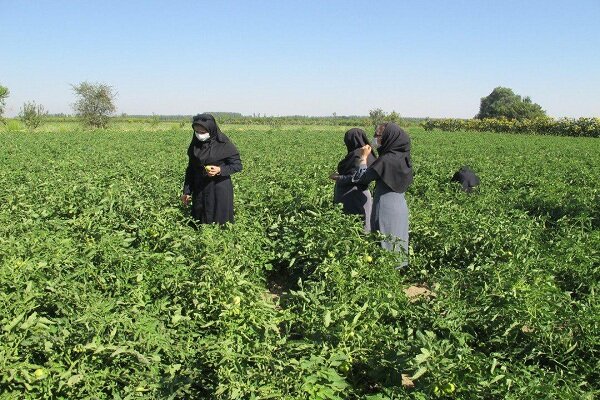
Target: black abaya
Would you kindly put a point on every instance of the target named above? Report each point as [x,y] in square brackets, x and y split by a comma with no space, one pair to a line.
[467,178]
[212,197]
[356,199]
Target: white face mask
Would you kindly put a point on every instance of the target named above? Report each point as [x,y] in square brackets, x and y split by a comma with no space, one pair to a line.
[203,137]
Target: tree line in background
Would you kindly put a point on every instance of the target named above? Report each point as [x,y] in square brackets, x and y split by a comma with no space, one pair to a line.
[580,127]
[501,111]
[94,105]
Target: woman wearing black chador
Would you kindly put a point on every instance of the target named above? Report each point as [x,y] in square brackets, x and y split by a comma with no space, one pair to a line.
[212,160]
[392,173]
[356,199]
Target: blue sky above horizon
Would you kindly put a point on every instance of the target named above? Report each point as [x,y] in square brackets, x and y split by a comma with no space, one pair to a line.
[288,57]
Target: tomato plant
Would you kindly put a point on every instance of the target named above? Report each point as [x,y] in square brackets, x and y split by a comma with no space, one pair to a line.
[107,290]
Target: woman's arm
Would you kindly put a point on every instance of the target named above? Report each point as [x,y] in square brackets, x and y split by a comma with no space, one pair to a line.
[231,165]
[364,175]
[187,182]
[344,179]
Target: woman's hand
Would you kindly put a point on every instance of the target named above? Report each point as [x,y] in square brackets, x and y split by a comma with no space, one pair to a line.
[212,170]
[185,199]
[364,152]
[334,176]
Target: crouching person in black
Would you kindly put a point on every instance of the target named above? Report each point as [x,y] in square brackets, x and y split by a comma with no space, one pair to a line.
[467,178]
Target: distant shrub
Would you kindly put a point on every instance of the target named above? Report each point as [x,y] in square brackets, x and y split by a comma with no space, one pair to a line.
[94,104]
[32,115]
[154,120]
[581,127]
[13,125]
[4,92]
[378,116]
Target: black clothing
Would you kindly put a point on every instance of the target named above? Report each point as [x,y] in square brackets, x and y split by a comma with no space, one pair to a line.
[220,145]
[356,199]
[467,178]
[354,139]
[364,176]
[212,197]
[393,165]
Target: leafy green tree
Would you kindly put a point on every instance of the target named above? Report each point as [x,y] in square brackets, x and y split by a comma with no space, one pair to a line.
[376,116]
[95,103]
[154,120]
[503,102]
[394,117]
[4,92]
[32,115]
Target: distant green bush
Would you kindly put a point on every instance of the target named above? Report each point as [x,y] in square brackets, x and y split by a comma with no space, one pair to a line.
[32,115]
[13,125]
[581,127]
[4,92]
[504,103]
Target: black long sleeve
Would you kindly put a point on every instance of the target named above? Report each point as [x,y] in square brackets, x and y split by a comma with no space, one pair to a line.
[363,176]
[231,165]
[187,183]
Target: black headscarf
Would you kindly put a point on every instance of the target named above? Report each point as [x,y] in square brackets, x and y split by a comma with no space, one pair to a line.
[467,178]
[217,148]
[394,165]
[354,139]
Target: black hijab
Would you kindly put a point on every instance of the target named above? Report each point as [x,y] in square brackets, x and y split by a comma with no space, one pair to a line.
[393,165]
[217,148]
[354,139]
[467,178]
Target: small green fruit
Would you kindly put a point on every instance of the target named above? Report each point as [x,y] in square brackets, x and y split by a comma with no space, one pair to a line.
[345,367]
[40,373]
[449,388]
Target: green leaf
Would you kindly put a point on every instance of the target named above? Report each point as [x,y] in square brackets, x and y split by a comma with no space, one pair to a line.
[419,373]
[327,318]
[13,323]
[74,380]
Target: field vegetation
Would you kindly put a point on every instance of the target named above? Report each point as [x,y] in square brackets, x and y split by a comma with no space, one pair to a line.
[108,292]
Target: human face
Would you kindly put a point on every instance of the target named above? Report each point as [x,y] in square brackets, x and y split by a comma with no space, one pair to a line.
[379,133]
[200,129]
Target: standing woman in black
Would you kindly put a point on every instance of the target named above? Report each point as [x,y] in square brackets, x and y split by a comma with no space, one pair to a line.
[356,199]
[212,160]
[392,174]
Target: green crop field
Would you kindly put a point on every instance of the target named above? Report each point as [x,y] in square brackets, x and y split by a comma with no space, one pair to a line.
[106,292]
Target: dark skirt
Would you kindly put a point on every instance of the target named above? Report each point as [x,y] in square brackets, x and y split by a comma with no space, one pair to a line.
[212,201]
[356,200]
[390,217]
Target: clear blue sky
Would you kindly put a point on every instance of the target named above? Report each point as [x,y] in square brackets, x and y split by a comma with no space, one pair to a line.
[419,58]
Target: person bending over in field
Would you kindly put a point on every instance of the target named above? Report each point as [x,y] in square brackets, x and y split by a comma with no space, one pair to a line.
[392,173]
[356,199]
[212,159]
[467,178]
